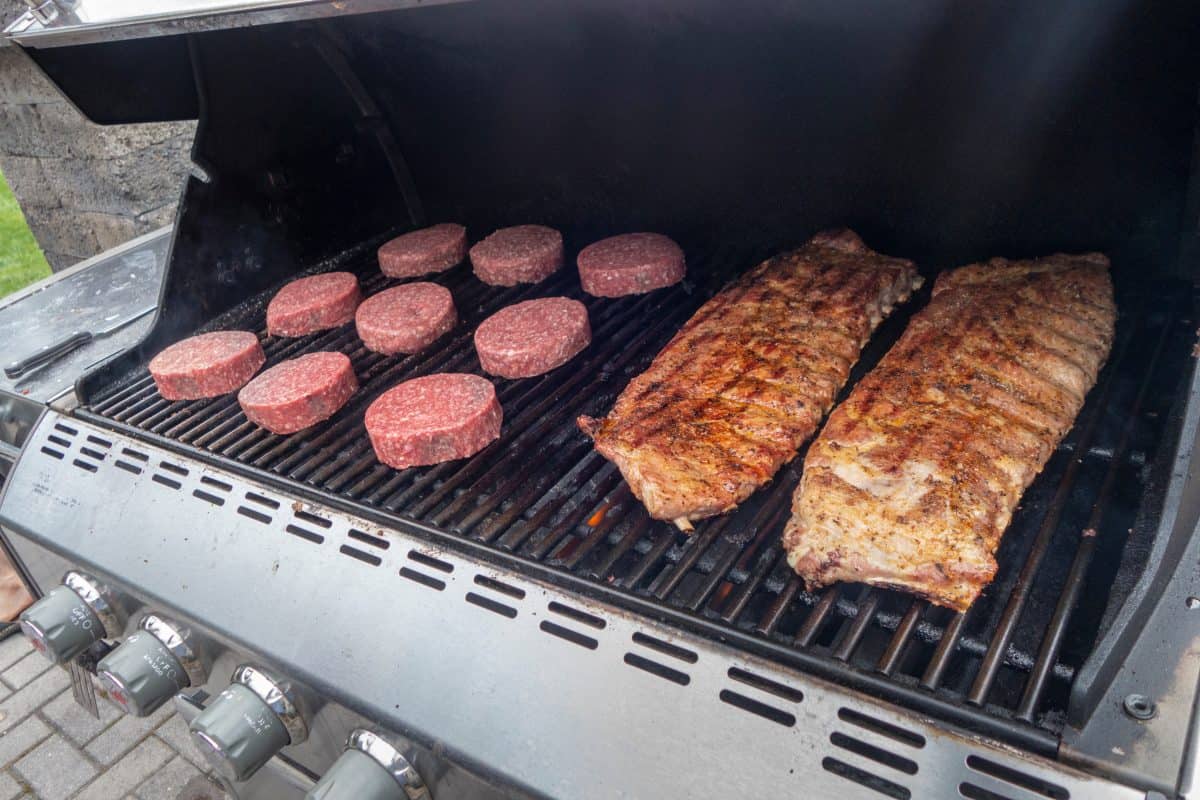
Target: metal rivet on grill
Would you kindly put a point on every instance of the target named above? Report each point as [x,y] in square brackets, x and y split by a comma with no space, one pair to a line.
[1139,706]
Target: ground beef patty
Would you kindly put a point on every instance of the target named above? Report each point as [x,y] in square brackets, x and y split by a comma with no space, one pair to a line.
[417,253]
[532,337]
[300,392]
[207,365]
[632,263]
[434,419]
[522,254]
[406,318]
[313,304]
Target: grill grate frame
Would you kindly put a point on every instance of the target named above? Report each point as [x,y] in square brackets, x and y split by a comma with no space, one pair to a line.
[1004,667]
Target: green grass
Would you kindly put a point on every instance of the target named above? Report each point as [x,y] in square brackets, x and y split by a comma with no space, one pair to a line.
[21,260]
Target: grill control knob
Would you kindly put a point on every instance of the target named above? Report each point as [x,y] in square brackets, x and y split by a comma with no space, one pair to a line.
[370,769]
[250,721]
[71,618]
[150,667]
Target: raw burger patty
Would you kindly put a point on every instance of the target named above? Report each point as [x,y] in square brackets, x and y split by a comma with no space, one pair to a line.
[433,419]
[416,253]
[522,254]
[313,304]
[406,318]
[532,337]
[632,263]
[298,393]
[207,365]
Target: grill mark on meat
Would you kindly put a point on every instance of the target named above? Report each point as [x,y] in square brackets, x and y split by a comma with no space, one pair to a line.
[745,382]
[917,474]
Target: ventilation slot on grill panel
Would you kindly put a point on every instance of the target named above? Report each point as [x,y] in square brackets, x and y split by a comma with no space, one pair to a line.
[494,606]
[866,779]
[305,534]
[356,554]
[655,668]
[1005,783]
[50,451]
[420,577]
[565,633]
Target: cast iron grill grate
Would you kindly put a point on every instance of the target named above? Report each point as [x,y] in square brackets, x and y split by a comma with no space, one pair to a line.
[543,496]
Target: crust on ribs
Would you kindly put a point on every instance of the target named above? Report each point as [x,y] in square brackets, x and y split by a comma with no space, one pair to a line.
[749,377]
[917,474]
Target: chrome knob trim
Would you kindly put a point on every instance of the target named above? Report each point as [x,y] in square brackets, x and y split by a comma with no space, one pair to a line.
[98,598]
[175,638]
[391,759]
[277,694]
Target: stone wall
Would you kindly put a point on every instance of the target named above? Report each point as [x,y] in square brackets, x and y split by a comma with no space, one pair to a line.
[83,187]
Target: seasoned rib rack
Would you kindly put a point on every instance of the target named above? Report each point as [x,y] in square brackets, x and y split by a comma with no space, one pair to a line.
[748,379]
[915,478]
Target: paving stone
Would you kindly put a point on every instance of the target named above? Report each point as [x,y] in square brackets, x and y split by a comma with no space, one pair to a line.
[31,697]
[168,782]
[25,670]
[71,718]
[175,733]
[125,733]
[55,769]
[21,739]
[9,787]
[130,771]
[13,649]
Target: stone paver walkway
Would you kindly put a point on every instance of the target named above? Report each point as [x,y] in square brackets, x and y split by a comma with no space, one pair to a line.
[51,749]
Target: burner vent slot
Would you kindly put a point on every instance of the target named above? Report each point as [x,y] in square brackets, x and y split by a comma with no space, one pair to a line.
[368,539]
[577,615]
[306,516]
[67,429]
[128,467]
[136,455]
[208,497]
[262,500]
[96,440]
[170,483]
[421,578]
[430,561]
[93,454]
[758,708]
[865,779]
[60,441]
[175,468]
[894,732]
[494,606]
[50,451]
[88,466]
[305,534]
[873,753]
[1005,774]
[666,648]
[257,516]
[499,586]
[655,668]
[356,554]
[574,637]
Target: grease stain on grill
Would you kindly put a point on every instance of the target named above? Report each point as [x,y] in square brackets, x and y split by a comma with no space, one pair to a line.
[574,637]
[422,578]
[758,708]
[494,606]
[1030,783]
[368,539]
[305,534]
[208,497]
[359,555]
[257,516]
[50,451]
[430,561]
[865,779]
[170,483]
[893,732]
[655,668]
[499,586]
[86,465]
[577,615]
[666,648]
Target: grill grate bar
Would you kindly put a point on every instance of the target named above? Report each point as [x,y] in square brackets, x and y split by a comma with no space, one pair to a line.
[904,631]
[816,618]
[1017,598]
[867,603]
[1069,597]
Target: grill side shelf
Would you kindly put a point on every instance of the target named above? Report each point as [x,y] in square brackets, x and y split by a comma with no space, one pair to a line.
[612,687]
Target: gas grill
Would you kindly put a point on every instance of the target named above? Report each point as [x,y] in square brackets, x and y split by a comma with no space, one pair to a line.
[514,623]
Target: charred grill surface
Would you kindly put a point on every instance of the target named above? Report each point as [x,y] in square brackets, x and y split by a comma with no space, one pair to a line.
[914,479]
[567,516]
[749,378]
